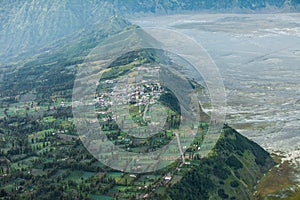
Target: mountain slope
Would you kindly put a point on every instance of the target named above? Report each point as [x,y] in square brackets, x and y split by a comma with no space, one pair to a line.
[32,25]
[29,25]
[44,165]
[230,172]
[54,70]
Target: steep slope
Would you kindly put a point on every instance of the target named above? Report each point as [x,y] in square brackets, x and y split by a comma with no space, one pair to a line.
[230,172]
[54,70]
[32,25]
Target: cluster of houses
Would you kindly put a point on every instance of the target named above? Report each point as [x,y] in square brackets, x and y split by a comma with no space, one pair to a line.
[125,93]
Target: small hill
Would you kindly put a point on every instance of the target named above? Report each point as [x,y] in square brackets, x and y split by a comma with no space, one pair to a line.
[230,172]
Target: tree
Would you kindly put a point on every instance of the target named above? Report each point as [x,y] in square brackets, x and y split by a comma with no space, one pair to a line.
[3,193]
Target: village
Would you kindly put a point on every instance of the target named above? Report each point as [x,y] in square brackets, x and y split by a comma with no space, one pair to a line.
[126,109]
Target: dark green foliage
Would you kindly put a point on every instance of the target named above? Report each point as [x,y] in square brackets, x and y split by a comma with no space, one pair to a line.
[241,144]
[147,56]
[220,171]
[3,193]
[170,100]
[234,184]
[233,162]
[195,185]
[223,170]
[222,194]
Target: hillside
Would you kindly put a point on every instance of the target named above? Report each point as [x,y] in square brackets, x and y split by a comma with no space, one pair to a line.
[47,163]
[42,156]
[230,172]
[28,25]
[32,26]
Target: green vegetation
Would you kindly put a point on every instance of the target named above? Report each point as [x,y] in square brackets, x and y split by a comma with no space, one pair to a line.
[227,174]
[42,157]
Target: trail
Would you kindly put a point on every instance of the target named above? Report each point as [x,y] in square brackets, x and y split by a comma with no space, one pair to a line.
[180,147]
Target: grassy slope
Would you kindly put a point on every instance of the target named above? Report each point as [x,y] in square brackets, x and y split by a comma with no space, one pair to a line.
[278,183]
